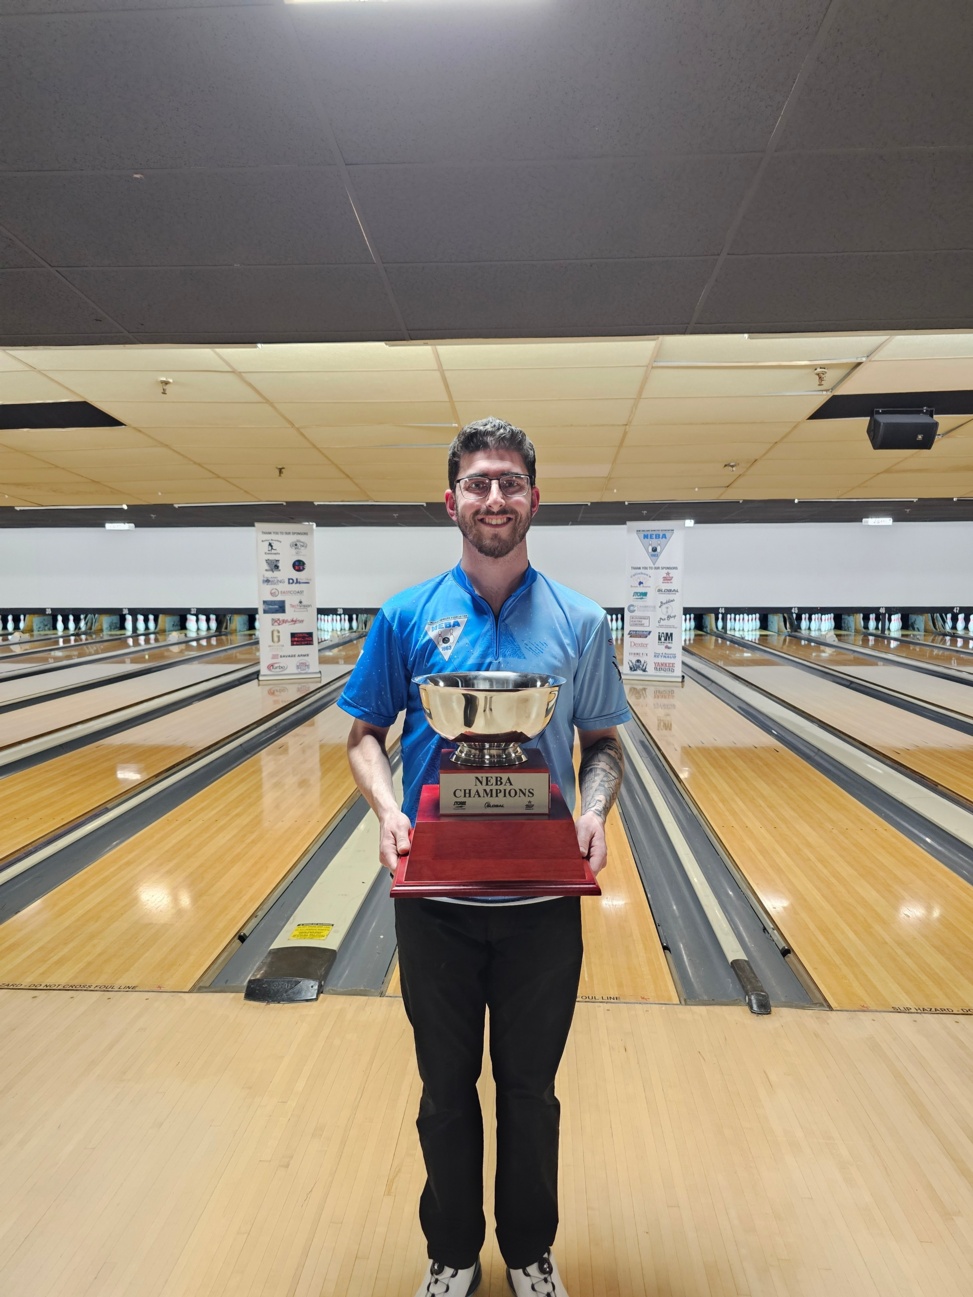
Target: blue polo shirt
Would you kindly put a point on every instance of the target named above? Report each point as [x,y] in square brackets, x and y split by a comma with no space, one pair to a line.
[444,625]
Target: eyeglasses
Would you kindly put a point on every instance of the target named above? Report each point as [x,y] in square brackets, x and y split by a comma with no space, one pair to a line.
[511,485]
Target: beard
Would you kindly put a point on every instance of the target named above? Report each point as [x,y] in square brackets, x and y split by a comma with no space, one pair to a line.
[488,543]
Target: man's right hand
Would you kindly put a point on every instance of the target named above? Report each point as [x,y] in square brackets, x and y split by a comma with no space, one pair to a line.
[394,838]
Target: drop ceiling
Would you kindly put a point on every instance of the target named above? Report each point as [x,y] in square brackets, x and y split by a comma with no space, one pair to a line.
[634,228]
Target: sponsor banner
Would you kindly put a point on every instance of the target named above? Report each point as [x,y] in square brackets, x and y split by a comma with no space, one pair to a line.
[285,597]
[652,646]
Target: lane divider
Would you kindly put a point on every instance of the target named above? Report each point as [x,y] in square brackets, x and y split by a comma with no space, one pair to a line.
[758,1001]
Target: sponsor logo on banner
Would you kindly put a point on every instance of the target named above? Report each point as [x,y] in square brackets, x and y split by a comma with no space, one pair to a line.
[273,605]
[272,564]
[303,665]
[296,580]
[271,547]
[298,565]
[638,664]
[667,603]
[666,636]
[639,634]
[300,638]
[640,594]
[654,543]
[667,578]
[298,544]
[665,666]
[276,666]
[445,633]
[286,621]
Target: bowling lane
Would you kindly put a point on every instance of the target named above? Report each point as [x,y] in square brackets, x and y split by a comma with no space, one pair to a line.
[928,652]
[30,686]
[10,647]
[936,751]
[36,801]
[74,649]
[56,713]
[877,922]
[155,912]
[951,694]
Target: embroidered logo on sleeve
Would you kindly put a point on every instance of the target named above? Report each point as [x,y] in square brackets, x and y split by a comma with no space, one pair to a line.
[445,633]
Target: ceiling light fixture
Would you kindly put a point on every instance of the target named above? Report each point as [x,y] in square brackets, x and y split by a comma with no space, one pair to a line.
[26,508]
[878,521]
[119,526]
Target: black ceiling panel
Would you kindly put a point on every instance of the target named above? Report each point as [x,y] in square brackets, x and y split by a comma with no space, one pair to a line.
[891,74]
[859,405]
[662,206]
[35,301]
[13,256]
[850,291]
[266,216]
[571,79]
[261,300]
[861,202]
[539,298]
[153,89]
[54,414]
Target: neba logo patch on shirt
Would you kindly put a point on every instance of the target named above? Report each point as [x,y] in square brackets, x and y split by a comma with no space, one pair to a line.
[445,633]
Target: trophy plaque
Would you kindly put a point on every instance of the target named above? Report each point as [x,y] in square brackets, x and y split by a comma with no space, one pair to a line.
[494,824]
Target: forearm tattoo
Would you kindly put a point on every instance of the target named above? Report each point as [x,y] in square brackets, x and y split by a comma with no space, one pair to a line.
[600,776]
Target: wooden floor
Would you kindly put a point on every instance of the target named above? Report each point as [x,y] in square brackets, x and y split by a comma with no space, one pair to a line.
[932,650]
[877,922]
[954,695]
[942,754]
[199,1146]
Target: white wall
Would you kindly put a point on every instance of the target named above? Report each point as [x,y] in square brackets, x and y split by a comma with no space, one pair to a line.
[916,564]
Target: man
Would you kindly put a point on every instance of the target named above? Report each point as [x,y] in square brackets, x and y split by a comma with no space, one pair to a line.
[521,959]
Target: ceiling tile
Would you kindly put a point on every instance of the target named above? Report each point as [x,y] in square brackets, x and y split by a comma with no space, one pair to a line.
[143,385]
[115,359]
[740,409]
[699,382]
[303,487]
[858,91]
[263,457]
[37,441]
[336,357]
[41,302]
[27,386]
[9,363]
[840,202]
[543,81]
[262,300]
[243,216]
[931,346]
[495,385]
[730,348]
[656,205]
[552,297]
[380,435]
[541,414]
[926,375]
[188,414]
[717,434]
[324,414]
[363,385]
[893,290]
[630,457]
[190,440]
[191,88]
[594,353]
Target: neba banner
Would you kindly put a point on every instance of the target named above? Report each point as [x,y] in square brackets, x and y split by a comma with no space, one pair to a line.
[652,648]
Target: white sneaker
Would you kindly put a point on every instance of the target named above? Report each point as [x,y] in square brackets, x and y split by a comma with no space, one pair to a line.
[538,1280]
[443,1281]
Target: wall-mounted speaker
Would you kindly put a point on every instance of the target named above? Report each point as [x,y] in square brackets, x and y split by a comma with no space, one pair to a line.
[902,429]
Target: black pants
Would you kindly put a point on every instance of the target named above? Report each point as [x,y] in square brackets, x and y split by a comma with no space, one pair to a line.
[523,962]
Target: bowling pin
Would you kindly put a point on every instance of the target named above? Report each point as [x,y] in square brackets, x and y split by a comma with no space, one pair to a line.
[140,623]
[256,624]
[22,624]
[961,621]
[128,623]
[949,621]
[10,621]
[191,624]
[212,621]
[871,621]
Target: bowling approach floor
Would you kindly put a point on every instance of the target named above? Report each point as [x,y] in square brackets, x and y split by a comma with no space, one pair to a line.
[216,1146]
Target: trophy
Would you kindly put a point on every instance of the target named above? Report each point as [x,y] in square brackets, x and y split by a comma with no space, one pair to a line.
[494,824]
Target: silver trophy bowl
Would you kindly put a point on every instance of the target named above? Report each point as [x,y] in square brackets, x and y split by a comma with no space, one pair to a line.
[488,713]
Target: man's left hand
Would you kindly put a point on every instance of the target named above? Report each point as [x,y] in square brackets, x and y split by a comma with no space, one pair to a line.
[591,840]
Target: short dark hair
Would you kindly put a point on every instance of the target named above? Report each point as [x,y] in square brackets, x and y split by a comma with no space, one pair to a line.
[490,434]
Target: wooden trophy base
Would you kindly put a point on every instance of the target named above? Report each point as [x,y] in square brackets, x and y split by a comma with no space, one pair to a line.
[479,856]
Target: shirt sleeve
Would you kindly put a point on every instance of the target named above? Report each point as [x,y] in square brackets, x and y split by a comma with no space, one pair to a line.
[599,695]
[379,685]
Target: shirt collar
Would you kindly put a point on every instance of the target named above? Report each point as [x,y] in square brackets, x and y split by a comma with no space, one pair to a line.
[463,581]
